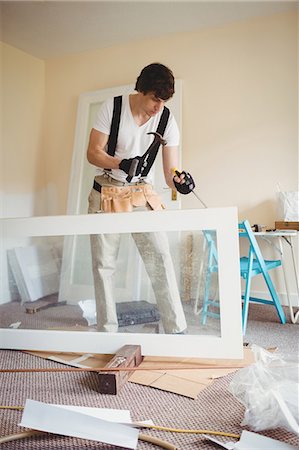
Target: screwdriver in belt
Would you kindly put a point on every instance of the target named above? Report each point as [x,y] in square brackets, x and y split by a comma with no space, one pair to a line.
[188,181]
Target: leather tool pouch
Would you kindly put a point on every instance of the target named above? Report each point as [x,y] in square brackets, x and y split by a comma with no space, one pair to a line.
[123,199]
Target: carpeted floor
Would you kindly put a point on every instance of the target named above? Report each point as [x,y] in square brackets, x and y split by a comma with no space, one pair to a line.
[69,316]
[264,327]
[215,408]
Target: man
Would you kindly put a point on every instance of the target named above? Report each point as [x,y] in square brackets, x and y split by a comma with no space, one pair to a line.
[123,183]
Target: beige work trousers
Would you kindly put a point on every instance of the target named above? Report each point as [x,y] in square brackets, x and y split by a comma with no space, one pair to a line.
[154,250]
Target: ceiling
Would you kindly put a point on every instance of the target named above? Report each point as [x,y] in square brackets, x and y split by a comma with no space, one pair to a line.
[48,29]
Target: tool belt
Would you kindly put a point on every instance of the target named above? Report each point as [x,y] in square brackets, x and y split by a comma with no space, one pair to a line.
[125,198]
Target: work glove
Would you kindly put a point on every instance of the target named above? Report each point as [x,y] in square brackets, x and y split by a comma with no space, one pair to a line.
[187,186]
[131,166]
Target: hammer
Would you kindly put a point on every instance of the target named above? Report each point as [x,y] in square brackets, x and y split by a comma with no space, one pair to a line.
[158,139]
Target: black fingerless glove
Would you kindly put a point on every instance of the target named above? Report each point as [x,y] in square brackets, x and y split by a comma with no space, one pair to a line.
[131,166]
[187,186]
[125,165]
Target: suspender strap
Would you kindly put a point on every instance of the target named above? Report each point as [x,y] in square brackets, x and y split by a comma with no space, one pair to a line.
[97,186]
[163,121]
[154,150]
[114,125]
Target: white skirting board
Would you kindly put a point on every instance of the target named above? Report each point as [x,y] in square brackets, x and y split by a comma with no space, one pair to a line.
[282,297]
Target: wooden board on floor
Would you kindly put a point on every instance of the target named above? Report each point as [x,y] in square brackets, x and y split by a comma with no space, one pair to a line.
[74,359]
[109,382]
[38,305]
[186,382]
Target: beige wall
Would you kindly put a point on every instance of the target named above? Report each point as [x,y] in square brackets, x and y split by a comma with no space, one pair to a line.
[240,114]
[240,127]
[22,109]
[240,122]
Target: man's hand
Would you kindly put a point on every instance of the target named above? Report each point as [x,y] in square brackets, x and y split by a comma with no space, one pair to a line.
[183,182]
[131,166]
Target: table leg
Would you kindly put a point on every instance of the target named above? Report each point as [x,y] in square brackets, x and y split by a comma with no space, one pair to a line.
[294,317]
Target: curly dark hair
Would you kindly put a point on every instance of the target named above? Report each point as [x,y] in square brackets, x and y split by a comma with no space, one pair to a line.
[158,79]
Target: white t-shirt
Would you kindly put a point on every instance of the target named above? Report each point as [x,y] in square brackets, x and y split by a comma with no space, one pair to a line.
[133,139]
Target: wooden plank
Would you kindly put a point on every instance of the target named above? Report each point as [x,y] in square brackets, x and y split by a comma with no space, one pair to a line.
[287,225]
[38,305]
[112,382]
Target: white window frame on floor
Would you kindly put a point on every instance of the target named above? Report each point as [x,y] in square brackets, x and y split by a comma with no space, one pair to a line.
[229,344]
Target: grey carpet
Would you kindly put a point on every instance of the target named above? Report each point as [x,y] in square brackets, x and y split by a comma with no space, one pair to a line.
[215,408]
[264,327]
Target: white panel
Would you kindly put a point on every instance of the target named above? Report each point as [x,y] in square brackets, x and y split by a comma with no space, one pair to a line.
[35,270]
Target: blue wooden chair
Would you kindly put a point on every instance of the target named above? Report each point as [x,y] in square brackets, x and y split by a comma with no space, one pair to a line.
[250,266]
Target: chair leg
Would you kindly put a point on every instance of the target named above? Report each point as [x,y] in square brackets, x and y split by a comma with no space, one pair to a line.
[247,294]
[275,298]
[246,305]
[206,298]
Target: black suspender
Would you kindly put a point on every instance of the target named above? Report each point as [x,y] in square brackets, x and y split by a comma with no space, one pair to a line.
[117,103]
[160,129]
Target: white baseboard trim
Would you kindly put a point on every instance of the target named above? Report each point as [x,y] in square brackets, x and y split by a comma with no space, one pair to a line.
[282,296]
